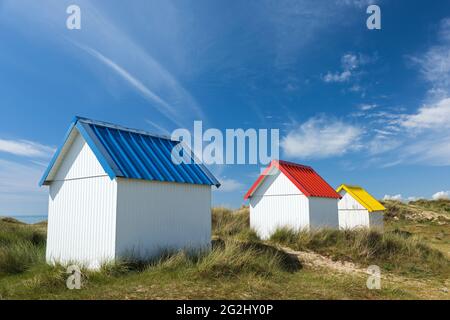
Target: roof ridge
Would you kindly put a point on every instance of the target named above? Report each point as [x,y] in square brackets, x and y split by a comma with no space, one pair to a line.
[320,187]
[352,186]
[294,164]
[122,128]
[362,201]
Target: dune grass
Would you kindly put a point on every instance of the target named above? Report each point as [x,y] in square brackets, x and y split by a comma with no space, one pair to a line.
[392,251]
[21,246]
[441,205]
[239,265]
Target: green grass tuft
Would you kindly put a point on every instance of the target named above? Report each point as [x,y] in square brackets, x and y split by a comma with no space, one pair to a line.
[21,247]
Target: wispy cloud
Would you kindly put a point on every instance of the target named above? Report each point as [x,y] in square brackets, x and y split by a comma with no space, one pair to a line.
[358,3]
[158,127]
[26,148]
[19,190]
[430,117]
[397,197]
[161,104]
[108,42]
[434,63]
[422,136]
[320,137]
[230,185]
[367,106]
[350,63]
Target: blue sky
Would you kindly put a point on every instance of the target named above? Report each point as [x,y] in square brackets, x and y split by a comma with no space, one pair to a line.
[368,107]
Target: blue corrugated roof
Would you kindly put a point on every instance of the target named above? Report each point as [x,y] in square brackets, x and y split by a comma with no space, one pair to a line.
[135,154]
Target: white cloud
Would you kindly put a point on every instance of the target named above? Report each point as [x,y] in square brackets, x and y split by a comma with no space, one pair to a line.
[349,62]
[441,195]
[397,197]
[19,190]
[435,63]
[229,185]
[430,117]
[413,198]
[358,3]
[115,47]
[350,65]
[26,148]
[164,107]
[382,143]
[367,107]
[337,77]
[321,138]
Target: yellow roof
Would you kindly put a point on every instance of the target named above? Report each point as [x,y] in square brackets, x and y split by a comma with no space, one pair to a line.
[363,197]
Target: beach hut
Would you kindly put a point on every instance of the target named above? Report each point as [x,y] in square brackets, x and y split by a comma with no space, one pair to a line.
[357,208]
[115,192]
[291,195]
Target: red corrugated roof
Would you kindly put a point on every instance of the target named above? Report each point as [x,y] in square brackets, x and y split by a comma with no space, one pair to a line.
[303,177]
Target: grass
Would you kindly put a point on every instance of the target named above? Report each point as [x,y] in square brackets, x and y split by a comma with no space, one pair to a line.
[441,205]
[239,266]
[392,251]
[20,246]
[414,218]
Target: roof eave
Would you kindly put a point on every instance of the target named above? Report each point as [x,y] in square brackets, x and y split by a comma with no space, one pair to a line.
[95,146]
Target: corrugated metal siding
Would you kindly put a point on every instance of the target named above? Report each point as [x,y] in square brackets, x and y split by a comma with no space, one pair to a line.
[152,216]
[278,203]
[348,202]
[81,221]
[323,213]
[79,162]
[269,213]
[303,177]
[352,214]
[135,154]
[140,155]
[363,197]
[350,219]
[376,219]
[308,179]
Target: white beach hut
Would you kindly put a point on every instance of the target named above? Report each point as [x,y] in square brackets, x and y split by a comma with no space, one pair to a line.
[114,192]
[357,208]
[291,195]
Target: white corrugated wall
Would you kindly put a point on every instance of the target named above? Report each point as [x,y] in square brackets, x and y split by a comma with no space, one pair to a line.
[278,203]
[153,216]
[351,213]
[82,205]
[323,213]
[376,219]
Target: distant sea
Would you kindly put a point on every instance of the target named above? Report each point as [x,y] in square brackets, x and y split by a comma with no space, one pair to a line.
[28,219]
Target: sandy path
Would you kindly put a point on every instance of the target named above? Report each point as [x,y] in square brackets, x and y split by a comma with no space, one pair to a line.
[429,289]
